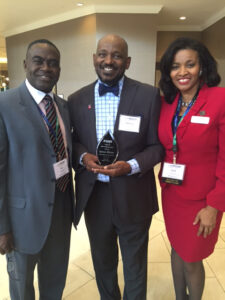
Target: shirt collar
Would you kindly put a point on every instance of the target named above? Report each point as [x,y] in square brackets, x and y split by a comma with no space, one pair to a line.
[36,94]
[120,84]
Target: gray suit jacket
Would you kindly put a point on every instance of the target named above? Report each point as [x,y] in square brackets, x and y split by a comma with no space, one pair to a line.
[135,195]
[27,184]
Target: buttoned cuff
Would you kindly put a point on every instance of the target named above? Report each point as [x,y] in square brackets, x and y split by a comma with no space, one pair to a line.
[134,166]
[81,159]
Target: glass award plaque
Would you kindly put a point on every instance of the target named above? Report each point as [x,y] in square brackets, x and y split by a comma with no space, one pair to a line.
[107,149]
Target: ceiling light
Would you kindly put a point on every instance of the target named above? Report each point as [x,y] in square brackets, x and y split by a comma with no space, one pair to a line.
[80,4]
[182,18]
[3,60]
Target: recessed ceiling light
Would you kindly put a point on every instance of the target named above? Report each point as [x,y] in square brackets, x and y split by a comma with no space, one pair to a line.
[80,4]
[182,18]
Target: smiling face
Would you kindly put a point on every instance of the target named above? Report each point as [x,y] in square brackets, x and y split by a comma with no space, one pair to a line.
[185,71]
[42,66]
[111,59]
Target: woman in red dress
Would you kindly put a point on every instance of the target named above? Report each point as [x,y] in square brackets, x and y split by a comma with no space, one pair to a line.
[192,131]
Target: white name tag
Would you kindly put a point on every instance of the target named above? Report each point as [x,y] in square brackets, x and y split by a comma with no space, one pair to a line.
[130,123]
[61,168]
[173,173]
[200,120]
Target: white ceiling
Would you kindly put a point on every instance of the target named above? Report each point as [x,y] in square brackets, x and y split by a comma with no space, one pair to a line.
[17,16]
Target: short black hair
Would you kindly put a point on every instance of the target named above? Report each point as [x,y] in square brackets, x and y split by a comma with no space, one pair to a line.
[42,41]
[209,74]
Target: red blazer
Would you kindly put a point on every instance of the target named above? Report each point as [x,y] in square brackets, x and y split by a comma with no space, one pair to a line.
[201,147]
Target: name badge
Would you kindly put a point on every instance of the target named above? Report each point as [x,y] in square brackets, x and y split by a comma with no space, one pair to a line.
[173,173]
[200,120]
[61,168]
[130,123]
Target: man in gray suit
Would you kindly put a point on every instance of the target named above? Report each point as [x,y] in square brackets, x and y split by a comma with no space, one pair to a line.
[119,199]
[36,193]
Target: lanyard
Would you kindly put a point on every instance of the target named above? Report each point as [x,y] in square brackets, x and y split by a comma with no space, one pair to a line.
[177,122]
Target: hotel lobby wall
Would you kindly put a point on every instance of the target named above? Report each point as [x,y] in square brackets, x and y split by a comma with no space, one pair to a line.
[164,38]
[140,32]
[76,40]
[214,38]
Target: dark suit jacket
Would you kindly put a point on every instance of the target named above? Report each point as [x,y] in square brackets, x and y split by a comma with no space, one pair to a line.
[27,184]
[135,195]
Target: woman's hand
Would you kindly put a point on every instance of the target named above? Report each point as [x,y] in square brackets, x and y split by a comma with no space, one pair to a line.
[206,218]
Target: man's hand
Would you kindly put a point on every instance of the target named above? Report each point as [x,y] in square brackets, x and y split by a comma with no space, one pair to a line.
[119,168]
[206,218]
[6,243]
[91,162]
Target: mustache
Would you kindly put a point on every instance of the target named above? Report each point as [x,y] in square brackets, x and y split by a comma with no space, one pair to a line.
[112,66]
[49,74]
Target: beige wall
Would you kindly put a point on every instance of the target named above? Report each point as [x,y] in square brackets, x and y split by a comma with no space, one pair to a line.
[140,34]
[164,38]
[77,40]
[214,38]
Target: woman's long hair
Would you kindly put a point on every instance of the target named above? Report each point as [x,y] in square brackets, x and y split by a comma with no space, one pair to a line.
[209,74]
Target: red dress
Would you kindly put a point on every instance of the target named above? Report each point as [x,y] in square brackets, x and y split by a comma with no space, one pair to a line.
[201,147]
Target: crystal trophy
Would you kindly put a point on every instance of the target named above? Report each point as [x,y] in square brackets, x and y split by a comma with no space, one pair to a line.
[107,149]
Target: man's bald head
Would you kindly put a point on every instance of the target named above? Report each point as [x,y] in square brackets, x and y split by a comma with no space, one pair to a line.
[114,39]
[111,58]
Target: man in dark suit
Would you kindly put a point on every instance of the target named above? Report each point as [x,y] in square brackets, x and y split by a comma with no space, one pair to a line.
[36,193]
[119,199]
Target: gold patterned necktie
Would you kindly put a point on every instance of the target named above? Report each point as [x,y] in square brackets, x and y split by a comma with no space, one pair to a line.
[56,138]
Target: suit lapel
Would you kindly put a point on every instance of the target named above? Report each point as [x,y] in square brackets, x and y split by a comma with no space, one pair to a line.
[200,101]
[89,107]
[31,111]
[126,99]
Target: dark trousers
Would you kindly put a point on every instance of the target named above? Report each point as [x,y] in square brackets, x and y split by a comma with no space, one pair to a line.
[104,230]
[51,261]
